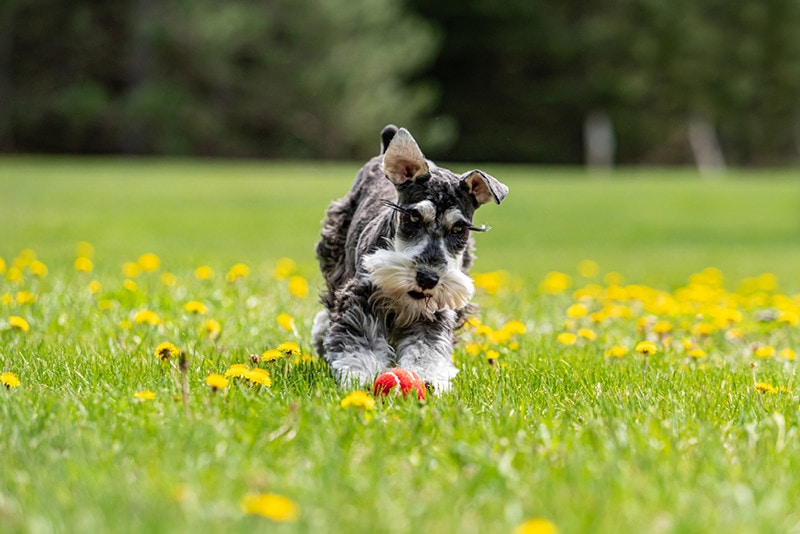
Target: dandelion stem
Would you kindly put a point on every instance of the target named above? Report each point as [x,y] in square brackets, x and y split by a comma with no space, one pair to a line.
[184,367]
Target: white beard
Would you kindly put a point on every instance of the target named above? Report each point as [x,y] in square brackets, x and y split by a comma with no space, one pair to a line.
[395,275]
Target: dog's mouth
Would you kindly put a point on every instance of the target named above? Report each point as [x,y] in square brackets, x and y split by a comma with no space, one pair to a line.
[417,295]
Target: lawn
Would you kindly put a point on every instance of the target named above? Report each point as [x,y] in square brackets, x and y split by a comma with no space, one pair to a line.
[554,414]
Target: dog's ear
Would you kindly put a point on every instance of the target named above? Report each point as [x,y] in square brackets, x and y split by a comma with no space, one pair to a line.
[403,161]
[483,187]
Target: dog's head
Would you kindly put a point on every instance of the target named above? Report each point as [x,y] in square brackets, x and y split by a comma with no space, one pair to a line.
[423,270]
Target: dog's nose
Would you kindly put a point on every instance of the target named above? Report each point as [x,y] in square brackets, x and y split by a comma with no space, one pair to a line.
[427,280]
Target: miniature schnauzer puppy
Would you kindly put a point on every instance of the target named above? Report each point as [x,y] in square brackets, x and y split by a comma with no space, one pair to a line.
[395,253]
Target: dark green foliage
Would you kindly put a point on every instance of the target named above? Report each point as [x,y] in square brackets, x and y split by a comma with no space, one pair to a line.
[508,81]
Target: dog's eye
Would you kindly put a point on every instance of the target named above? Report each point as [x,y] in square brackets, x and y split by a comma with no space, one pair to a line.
[458,229]
[414,216]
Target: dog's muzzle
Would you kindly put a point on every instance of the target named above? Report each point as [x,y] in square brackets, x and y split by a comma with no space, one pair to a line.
[426,280]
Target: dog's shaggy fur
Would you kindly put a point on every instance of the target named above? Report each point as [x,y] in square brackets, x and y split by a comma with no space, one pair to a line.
[395,253]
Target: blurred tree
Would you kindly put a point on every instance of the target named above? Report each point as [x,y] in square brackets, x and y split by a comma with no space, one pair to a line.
[522,78]
[281,78]
[653,81]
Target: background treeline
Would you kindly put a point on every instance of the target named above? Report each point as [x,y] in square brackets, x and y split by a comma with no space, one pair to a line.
[711,82]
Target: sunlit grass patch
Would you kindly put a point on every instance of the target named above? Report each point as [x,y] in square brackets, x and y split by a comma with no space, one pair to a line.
[169,384]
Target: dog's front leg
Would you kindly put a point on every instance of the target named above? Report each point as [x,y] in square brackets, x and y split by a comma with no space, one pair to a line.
[355,344]
[427,349]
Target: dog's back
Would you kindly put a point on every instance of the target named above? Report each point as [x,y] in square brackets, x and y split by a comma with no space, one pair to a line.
[354,224]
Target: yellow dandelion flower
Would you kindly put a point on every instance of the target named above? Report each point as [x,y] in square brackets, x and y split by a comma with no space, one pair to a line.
[204,272]
[576,311]
[473,349]
[472,323]
[767,282]
[167,351]
[492,355]
[130,269]
[105,304]
[536,526]
[766,387]
[298,286]
[284,268]
[555,283]
[14,274]
[149,262]
[147,317]
[697,353]
[787,354]
[216,381]
[19,323]
[567,338]
[25,258]
[491,282]
[9,380]
[130,285]
[646,348]
[237,370]
[764,351]
[259,376]
[168,279]
[286,322]
[3,265]
[514,327]
[484,330]
[358,399]
[7,299]
[125,324]
[789,317]
[272,355]
[662,327]
[83,264]
[587,334]
[94,287]
[85,249]
[616,351]
[212,328]
[289,348]
[25,297]
[38,268]
[275,507]
[144,395]
[499,337]
[195,306]
[239,270]
[703,329]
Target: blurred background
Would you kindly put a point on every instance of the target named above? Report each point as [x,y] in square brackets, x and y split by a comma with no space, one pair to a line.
[711,83]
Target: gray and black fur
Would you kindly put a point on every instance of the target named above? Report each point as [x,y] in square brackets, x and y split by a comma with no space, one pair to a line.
[395,253]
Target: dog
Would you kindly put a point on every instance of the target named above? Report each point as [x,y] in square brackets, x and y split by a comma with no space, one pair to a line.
[395,254]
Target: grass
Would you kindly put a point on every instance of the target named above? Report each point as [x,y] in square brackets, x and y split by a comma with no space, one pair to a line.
[563,432]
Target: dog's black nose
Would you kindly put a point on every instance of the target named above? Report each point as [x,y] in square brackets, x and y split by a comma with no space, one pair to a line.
[427,280]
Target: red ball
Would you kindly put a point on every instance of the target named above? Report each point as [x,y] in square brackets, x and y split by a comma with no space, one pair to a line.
[401,380]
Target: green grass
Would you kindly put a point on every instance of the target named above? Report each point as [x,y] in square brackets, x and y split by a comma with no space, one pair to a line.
[560,432]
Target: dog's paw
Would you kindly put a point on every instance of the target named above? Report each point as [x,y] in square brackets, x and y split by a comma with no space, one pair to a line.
[439,380]
[356,370]
[439,387]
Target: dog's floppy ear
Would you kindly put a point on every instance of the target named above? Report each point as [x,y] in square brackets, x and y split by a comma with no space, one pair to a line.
[403,161]
[483,187]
